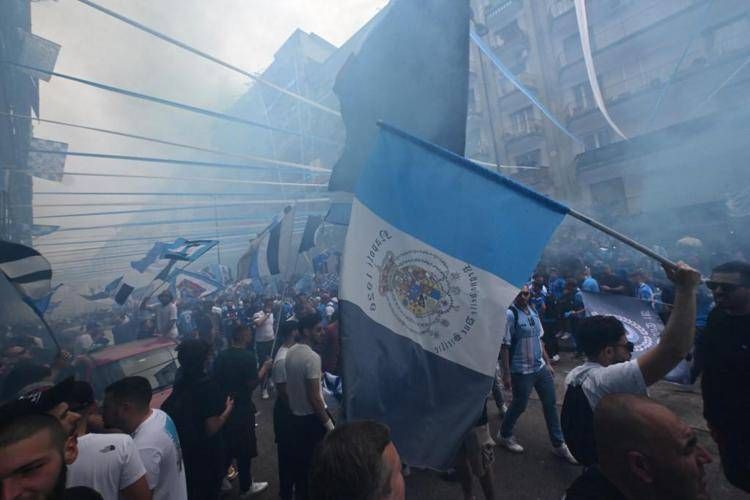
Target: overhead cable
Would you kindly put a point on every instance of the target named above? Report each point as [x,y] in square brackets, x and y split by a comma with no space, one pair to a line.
[170,209]
[170,103]
[169,143]
[174,205]
[209,57]
[174,178]
[169,161]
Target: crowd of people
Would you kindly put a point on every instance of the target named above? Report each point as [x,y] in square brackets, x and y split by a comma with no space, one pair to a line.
[57,441]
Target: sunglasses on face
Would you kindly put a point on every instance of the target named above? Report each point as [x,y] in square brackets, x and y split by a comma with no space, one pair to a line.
[524,294]
[629,346]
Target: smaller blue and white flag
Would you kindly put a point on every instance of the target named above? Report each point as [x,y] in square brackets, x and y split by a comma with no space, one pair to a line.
[437,248]
[187,250]
[269,254]
[107,292]
[193,286]
[162,256]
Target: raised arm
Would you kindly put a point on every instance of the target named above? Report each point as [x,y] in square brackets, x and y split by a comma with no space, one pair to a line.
[677,338]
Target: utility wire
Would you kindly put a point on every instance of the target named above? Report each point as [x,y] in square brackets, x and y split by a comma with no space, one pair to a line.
[170,209]
[138,193]
[209,57]
[168,143]
[168,161]
[197,236]
[175,205]
[167,102]
[167,178]
[165,223]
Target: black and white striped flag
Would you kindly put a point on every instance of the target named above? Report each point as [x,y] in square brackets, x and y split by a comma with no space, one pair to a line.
[28,271]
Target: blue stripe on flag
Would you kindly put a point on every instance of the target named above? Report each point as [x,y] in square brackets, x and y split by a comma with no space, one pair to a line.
[416,187]
[417,394]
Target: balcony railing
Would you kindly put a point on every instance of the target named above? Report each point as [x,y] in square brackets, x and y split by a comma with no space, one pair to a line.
[529,127]
[560,7]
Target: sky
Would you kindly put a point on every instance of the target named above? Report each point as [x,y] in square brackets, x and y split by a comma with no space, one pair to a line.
[245,33]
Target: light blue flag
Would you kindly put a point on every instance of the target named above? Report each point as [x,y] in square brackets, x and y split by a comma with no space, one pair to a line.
[437,249]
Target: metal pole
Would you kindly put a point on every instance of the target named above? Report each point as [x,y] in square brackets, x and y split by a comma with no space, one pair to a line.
[621,237]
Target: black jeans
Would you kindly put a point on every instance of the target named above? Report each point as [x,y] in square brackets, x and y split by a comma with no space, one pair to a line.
[282,428]
[239,436]
[735,460]
[307,432]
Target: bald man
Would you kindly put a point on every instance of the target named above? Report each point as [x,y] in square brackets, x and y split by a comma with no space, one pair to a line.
[645,453]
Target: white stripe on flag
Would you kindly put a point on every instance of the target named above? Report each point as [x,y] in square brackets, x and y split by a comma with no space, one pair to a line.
[22,267]
[448,307]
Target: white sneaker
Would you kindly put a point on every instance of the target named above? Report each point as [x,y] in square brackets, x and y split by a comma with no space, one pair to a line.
[255,488]
[264,395]
[555,358]
[509,444]
[565,336]
[563,452]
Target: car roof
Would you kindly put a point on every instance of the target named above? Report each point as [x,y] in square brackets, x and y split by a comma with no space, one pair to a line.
[122,351]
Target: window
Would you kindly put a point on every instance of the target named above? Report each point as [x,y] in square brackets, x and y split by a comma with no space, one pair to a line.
[523,121]
[598,139]
[572,49]
[582,97]
[530,159]
[510,33]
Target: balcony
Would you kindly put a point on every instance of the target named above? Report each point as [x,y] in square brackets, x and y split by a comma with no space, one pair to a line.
[501,10]
[573,109]
[528,128]
[560,7]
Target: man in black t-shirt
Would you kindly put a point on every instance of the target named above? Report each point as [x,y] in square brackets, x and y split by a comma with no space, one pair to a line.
[199,410]
[236,371]
[725,349]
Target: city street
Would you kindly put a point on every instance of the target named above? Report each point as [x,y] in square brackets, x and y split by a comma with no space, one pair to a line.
[535,474]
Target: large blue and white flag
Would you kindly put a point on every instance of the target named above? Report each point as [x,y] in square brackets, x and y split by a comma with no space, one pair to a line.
[269,254]
[437,248]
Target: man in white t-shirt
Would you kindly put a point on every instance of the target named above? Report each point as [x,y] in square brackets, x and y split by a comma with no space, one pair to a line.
[166,315]
[107,463]
[282,416]
[126,407]
[264,337]
[310,420]
[609,369]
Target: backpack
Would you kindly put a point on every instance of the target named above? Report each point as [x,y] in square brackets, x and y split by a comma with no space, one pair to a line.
[577,422]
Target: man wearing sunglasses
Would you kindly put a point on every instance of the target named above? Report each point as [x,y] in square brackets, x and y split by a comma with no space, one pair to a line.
[610,370]
[725,348]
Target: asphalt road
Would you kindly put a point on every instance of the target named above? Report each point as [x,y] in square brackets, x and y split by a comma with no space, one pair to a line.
[535,474]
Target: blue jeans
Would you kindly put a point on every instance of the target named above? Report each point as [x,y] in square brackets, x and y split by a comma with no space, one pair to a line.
[545,387]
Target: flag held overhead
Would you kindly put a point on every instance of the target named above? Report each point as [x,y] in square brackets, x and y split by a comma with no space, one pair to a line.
[412,71]
[428,272]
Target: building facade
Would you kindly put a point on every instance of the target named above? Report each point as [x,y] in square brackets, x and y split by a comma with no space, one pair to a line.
[659,64]
[19,94]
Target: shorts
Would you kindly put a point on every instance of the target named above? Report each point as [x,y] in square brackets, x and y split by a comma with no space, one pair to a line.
[479,451]
[263,350]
